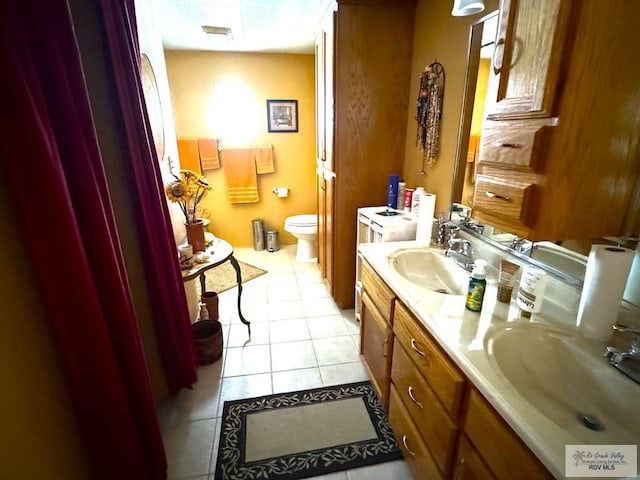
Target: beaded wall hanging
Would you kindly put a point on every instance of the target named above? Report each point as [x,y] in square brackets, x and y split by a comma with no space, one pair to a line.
[429,113]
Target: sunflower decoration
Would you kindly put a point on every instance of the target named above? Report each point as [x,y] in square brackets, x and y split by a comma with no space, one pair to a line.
[187,190]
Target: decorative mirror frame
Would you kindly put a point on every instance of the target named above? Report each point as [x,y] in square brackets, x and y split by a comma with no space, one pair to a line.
[154,105]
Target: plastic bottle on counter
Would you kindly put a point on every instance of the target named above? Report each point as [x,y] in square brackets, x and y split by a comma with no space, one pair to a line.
[415,200]
[400,202]
[531,291]
[477,286]
[408,195]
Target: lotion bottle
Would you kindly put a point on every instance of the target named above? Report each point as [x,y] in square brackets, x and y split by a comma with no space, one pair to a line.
[415,200]
[531,291]
[477,286]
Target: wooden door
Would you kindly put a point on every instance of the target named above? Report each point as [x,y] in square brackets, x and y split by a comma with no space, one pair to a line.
[528,58]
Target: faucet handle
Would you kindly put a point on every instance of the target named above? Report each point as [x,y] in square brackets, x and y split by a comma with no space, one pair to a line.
[624,328]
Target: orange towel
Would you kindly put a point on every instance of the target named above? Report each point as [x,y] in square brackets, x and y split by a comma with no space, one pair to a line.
[188,154]
[208,149]
[240,170]
[474,144]
[264,159]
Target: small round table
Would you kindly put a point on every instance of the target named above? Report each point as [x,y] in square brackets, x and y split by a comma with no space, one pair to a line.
[219,251]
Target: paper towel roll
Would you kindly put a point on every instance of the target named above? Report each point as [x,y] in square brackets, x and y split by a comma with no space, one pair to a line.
[604,282]
[425,218]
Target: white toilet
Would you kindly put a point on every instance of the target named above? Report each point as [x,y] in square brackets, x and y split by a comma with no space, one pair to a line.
[305,229]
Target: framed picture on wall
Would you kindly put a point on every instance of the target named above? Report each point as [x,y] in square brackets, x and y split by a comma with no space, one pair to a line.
[282,115]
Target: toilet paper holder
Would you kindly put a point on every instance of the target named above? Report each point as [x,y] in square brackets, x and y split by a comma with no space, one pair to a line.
[281,192]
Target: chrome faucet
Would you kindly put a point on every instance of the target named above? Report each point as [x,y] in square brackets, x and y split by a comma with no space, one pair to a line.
[627,361]
[461,252]
[519,244]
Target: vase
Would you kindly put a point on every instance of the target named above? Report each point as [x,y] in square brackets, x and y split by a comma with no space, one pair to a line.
[195,235]
[210,299]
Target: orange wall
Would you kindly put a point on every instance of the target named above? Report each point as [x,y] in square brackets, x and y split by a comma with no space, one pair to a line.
[438,35]
[275,76]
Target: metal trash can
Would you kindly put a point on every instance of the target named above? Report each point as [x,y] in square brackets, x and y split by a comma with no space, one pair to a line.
[258,234]
[273,244]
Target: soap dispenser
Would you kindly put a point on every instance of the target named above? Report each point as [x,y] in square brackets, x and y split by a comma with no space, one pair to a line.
[477,286]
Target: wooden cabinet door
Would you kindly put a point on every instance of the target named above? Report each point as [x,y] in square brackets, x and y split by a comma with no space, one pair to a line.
[469,465]
[376,342]
[528,58]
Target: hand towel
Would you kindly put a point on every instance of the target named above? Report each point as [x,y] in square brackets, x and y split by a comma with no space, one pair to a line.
[208,150]
[240,171]
[188,154]
[474,144]
[264,159]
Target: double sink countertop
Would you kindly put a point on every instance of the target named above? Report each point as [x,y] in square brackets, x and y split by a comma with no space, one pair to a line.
[544,415]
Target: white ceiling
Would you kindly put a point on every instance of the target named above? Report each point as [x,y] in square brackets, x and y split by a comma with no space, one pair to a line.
[285,26]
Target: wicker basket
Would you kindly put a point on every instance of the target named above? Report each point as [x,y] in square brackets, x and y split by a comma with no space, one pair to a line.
[208,337]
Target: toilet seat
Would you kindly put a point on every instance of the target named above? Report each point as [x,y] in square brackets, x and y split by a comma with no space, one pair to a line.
[302,221]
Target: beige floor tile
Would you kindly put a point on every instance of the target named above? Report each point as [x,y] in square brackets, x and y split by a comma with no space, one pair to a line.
[287,279]
[282,294]
[247,360]
[327,326]
[309,291]
[239,336]
[188,447]
[343,373]
[293,355]
[334,350]
[309,277]
[315,307]
[214,451]
[246,386]
[285,310]
[292,380]
[197,403]
[396,470]
[288,330]
[331,476]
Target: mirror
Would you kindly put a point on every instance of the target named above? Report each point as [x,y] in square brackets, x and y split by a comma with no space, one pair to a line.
[154,107]
[566,259]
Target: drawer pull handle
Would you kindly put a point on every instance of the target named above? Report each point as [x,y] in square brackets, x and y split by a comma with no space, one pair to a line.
[500,197]
[404,442]
[507,145]
[410,391]
[384,347]
[418,351]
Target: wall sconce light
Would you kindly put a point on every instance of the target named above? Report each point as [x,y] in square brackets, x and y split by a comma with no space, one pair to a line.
[463,8]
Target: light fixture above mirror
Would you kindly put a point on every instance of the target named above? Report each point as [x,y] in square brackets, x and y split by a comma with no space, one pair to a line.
[463,8]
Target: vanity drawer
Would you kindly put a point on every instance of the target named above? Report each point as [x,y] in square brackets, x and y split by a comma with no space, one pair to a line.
[508,457]
[444,379]
[504,198]
[379,292]
[439,432]
[416,453]
[518,144]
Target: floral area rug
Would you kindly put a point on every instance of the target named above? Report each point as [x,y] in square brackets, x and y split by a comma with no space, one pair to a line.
[223,277]
[296,435]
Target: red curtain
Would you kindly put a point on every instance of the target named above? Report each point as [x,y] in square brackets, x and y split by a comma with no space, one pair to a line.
[170,311]
[50,153]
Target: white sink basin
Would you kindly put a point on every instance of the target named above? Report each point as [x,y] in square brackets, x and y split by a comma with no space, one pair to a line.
[566,378]
[561,259]
[430,270]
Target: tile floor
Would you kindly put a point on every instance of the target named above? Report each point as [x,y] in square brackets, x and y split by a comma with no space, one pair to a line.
[299,339]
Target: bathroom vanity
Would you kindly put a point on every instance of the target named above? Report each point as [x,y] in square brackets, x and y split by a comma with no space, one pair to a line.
[489,394]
